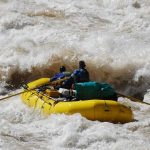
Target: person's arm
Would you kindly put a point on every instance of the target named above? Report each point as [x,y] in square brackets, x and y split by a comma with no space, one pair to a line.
[75,73]
[54,78]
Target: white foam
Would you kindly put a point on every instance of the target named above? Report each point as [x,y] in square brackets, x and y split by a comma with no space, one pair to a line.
[112,36]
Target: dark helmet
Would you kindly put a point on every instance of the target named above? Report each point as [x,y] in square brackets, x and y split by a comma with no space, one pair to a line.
[81,64]
[62,68]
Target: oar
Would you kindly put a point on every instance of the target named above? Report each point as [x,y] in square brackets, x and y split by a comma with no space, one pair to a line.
[16,94]
[132,98]
[58,82]
[54,83]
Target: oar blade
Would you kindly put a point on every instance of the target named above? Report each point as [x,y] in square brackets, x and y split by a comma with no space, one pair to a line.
[132,98]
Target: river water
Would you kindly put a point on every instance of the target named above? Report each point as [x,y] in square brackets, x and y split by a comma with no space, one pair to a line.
[38,36]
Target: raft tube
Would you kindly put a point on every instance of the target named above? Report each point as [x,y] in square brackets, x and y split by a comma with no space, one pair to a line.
[95,109]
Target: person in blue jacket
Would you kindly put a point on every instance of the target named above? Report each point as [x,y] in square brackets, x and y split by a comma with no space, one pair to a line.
[78,75]
[81,74]
[62,74]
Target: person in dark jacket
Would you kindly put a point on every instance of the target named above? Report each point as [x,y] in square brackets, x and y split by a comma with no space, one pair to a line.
[78,75]
[62,74]
[81,74]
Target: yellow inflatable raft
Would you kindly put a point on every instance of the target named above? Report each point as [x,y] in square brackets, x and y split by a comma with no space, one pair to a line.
[95,109]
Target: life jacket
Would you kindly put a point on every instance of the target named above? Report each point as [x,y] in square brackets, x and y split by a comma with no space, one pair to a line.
[60,75]
[81,75]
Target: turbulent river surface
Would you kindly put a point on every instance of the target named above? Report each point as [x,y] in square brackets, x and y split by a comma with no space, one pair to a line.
[38,36]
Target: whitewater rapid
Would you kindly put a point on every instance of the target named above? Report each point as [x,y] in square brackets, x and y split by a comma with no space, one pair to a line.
[25,128]
[111,36]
